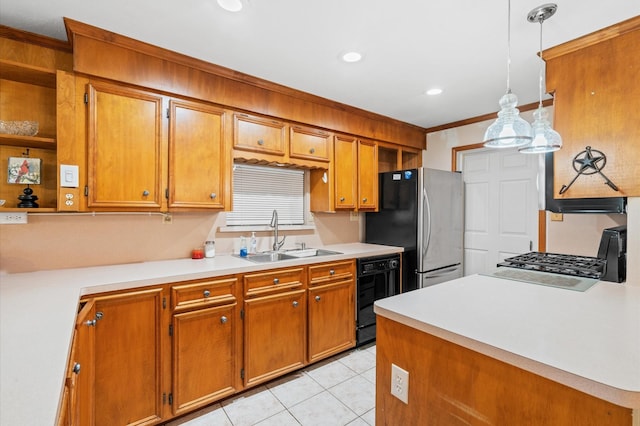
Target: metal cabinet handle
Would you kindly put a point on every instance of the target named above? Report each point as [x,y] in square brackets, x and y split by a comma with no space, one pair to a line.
[295,303]
[364,200]
[312,151]
[223,319]
[276,281]
[341,198]
[260,142]
[145,192]
[213,195]
[92,323]
[206,293]
[317,298]
[332,272]
[76,368]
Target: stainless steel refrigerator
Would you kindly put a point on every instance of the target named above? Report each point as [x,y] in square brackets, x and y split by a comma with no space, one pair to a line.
[421,210]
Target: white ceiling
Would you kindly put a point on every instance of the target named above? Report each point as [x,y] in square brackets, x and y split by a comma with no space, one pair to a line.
[409,46]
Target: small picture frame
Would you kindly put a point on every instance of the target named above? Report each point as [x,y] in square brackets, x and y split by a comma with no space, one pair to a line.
[24,170]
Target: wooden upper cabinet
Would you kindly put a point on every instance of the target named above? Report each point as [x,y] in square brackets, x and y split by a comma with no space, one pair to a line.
[367,175]
[259,134]
[309,144]
[346,171]
[595,80]
[197,165]
[124,148]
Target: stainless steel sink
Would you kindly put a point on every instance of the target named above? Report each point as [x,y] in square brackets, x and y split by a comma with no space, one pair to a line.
[272,256]
[310,252]
[275,256]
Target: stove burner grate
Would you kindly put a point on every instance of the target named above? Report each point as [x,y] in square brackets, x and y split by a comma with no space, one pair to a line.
[580,266]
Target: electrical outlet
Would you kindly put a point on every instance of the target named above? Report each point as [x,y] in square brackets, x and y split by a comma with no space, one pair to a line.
[400,383]
[353,217]
[13,218]
[167,218]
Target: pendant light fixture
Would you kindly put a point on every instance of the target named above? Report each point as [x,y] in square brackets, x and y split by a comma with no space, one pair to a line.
[509,130]
[545,139]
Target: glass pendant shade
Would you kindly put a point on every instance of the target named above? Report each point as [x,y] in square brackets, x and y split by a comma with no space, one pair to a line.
[509,130]
[545,139]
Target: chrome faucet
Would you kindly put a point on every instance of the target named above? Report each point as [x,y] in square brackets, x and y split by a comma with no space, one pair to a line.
[274,224]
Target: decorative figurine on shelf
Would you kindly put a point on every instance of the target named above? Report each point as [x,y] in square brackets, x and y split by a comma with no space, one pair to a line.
[25,170]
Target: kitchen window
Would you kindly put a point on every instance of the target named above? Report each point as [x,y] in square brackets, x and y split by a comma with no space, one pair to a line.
[258,190]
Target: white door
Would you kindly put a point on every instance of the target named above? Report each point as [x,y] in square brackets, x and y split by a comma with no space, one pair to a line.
[501,206]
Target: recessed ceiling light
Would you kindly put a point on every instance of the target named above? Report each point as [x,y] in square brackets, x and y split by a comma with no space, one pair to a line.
[230,5]
[434,91]
[351,57]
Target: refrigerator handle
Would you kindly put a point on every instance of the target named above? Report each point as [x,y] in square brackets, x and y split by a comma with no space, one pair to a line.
[426,230]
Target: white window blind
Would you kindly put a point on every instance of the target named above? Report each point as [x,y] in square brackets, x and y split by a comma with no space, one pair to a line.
[258,190]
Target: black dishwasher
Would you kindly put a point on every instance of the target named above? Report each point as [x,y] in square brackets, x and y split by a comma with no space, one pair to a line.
[378,277]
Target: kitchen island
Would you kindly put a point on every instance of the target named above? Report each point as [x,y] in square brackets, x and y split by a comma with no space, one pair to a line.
[38,313]
[485,350]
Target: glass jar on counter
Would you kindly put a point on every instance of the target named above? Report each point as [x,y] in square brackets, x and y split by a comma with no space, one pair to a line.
[210,249]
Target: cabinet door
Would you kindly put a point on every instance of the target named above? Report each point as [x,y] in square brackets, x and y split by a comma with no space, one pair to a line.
[124,148]
[332,319]
[259,134]
[309,144]
[274,335]
[128,358]
[197,168]
[346,172]
[367,175]
[204,362]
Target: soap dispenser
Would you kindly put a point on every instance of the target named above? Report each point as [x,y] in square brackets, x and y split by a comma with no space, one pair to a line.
[253,245]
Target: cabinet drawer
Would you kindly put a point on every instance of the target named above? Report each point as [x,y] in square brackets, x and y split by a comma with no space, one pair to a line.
[198,294]
[311,144]
[258,134]
[273,281]
[320,274]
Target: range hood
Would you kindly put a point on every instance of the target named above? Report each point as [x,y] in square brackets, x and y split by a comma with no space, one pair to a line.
[578,205]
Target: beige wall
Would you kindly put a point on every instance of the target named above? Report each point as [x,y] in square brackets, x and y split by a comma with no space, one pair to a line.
[66,240]
[577,233]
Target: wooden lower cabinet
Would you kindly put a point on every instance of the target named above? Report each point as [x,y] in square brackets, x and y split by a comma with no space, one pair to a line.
[204,357]
[275,331]
[128,358]
[151,354]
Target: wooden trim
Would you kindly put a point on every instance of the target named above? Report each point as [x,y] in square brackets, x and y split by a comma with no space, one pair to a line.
[32,38]
[485,117]
[542,230]
[542,214]
[596,37]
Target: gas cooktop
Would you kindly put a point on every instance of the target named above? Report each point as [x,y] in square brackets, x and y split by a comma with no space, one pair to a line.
[565,264]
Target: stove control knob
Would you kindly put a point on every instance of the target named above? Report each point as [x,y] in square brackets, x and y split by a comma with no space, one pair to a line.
[393,264]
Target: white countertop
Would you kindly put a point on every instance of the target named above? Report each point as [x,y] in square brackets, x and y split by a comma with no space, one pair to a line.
[38,311]
[589,340]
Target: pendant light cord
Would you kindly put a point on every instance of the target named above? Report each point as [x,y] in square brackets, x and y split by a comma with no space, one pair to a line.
[509,46]
[541,77]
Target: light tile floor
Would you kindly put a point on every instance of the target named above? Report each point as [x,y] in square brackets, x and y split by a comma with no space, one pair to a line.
[337,391]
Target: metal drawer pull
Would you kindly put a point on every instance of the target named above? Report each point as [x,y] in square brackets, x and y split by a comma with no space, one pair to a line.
[317,298]
[145,192]
[260,142]
[312,151]
[332,272]
[276,281]
[364,200]
[341,198]
[295,303]
[76,368]
[206,293]
[223,320]
[92,323]
[213,195]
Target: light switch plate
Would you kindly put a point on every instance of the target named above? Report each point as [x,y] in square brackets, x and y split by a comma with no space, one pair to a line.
[69,176]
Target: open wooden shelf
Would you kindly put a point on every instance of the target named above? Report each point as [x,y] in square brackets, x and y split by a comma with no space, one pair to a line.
[37,210]
[30,74]
[28,141]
